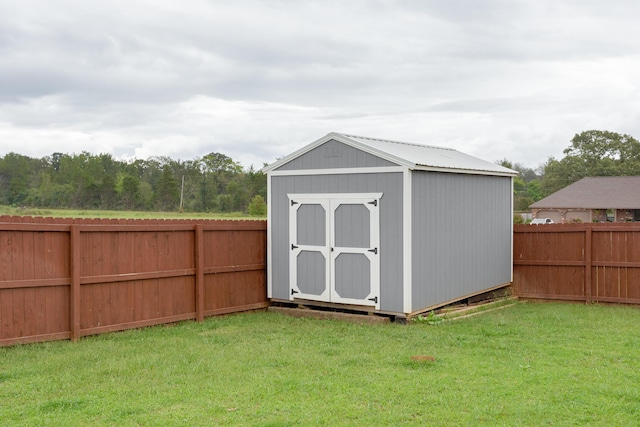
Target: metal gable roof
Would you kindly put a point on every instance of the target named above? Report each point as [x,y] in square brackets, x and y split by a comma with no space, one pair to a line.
[413,156]
[610,192]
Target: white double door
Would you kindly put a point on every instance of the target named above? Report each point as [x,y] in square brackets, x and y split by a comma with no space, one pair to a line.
[335,247]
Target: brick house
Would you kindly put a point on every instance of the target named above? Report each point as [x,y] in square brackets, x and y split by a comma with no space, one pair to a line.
[593,199]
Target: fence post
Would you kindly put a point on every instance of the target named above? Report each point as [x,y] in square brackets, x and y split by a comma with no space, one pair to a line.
[74,289]
[587,264]
[199,258]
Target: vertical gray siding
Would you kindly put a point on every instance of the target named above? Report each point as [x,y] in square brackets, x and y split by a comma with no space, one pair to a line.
[333,154]
[461,238]
[390,184]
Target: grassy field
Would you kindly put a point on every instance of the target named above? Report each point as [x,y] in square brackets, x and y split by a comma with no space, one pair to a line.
[71,213]
[528,364]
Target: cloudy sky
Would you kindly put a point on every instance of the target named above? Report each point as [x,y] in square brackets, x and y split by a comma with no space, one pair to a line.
[258,79]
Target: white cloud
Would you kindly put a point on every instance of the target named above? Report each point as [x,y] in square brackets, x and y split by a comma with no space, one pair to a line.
[256,80]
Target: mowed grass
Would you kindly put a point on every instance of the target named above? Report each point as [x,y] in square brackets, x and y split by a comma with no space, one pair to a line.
[87,213]
[528,364]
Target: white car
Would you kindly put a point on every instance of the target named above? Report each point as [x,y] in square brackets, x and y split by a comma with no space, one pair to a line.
[542,221]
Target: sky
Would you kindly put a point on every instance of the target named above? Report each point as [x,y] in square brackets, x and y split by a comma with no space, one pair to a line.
[257,80]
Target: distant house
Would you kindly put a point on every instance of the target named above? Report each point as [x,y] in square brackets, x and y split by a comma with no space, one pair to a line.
[593,199]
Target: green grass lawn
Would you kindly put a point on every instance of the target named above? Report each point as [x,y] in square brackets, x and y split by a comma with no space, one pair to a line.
[86,213]
[528,364]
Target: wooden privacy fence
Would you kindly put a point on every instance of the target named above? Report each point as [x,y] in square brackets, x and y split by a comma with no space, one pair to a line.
[63,278]
[578,262]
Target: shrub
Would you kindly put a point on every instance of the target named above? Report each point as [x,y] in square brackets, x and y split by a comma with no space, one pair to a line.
[258,207]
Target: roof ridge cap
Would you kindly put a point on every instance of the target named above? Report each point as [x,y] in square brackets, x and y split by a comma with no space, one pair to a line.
[398,142]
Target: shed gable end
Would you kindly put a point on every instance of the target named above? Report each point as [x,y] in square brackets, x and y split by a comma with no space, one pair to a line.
[334,155]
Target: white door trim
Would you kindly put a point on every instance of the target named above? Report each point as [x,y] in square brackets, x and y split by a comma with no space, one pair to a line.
[330,202]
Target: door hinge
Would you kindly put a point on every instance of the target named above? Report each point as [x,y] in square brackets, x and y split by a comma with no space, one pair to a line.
[293,202]
[293,246]
[374,299]
[293,292]
[374,250]
[374,203]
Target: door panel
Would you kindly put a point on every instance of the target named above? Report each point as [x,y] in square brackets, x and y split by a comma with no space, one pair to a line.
[311,273]
[311,228]
[352,226]
[352,276]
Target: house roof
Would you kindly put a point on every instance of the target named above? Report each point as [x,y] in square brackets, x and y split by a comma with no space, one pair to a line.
[611,192]
[413,156]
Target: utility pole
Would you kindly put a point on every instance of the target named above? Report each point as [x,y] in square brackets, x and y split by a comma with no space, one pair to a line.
[181,193]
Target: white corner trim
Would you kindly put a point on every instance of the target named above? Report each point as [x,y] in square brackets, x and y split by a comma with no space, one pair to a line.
[406,240]
[269,244]
[511,222]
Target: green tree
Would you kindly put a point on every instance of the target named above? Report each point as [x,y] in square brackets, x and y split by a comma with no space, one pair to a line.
[258,207]
[256,182]
[146,195]
[107,190]
[85,180]
[191,171]
[167,191]
[524,185]
[534,190]
[218,171]
[49,194]
[128,189]
[15,171]
[42,195]
[239,196]
[223,203]
[592,153]
[217,162]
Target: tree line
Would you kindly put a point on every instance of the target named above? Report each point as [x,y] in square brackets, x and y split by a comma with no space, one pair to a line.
[212,183]
[216,183]
[590,153]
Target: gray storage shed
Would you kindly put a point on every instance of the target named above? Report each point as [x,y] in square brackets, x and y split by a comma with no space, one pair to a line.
[386,226]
